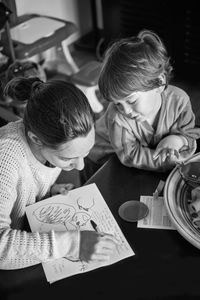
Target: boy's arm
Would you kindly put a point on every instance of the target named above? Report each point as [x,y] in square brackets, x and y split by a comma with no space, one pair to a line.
[185,126]
[132,153]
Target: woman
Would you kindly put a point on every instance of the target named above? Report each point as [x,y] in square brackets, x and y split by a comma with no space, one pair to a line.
[56,133]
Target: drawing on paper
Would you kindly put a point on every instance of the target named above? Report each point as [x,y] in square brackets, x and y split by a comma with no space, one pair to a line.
[54,213]
[75,211]
[85,205]
[65,214]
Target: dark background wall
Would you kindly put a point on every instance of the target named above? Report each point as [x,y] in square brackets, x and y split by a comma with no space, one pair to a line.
[177,23]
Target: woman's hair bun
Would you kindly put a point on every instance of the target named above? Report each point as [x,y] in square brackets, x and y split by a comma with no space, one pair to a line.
[20,89]
[36,84]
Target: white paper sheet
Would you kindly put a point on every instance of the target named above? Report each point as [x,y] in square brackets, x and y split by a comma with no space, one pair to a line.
[157,216]
[75,210]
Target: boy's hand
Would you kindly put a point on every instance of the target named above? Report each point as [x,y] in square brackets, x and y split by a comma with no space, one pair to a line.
[169,147]
[61,188]
[168,154]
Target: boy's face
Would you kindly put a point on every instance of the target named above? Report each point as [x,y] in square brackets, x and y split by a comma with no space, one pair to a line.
[139,104]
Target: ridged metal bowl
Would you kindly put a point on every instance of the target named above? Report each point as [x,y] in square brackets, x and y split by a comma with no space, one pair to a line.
[177,194]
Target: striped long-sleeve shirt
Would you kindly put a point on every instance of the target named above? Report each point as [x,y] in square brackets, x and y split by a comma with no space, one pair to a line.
[134,141]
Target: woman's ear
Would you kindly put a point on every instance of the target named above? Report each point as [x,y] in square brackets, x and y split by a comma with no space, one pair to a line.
[34,139]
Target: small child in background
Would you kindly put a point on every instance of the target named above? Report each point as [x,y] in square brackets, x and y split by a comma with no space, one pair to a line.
[24,69]
[149,124]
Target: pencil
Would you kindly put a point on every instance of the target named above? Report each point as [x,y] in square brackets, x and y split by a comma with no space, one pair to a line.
[94,225]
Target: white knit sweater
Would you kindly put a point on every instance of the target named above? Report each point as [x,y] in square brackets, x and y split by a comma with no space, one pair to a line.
[23,181]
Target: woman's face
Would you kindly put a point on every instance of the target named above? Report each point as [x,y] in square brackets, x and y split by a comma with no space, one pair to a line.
[70,155]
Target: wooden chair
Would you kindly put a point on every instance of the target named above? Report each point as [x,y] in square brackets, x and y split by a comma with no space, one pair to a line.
[32,34]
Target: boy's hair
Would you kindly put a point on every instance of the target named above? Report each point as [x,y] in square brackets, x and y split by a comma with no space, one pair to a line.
[56,111]
[134,64]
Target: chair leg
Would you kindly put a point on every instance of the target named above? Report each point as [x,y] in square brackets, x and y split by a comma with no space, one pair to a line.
[90,92]
[50,54]
[49,57]
[10,42]
[69,58]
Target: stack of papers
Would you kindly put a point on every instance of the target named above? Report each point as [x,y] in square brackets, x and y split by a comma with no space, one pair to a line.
[157,216]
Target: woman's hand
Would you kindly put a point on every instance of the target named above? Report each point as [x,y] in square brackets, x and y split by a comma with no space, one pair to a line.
[61,188]
[97,246]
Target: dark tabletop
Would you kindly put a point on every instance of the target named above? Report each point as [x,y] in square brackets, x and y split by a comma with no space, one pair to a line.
[165,265]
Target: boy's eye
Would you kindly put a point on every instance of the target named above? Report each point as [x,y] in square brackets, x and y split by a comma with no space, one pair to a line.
[133,98]
[64,159]
[132,102]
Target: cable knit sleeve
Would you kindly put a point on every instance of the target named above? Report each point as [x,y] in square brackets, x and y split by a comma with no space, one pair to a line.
[19,248]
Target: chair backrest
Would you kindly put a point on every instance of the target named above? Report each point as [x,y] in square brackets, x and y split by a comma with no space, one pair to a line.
[4,14]
[11,5]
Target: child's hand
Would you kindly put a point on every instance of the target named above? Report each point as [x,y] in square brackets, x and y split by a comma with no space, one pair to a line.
[61,188]
[168,154]
[169,147]
[97,246]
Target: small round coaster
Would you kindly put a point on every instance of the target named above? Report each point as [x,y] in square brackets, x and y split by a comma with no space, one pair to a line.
[133,211]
